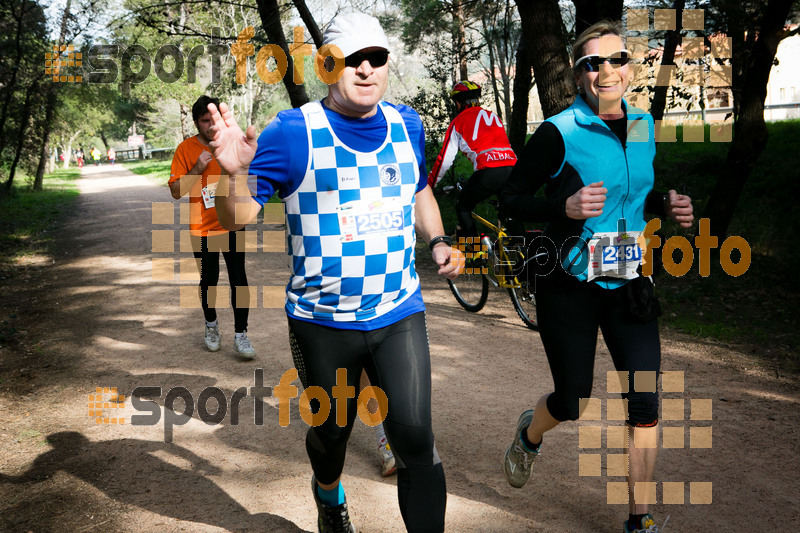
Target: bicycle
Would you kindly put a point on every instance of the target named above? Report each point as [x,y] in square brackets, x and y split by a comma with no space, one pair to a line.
[493,258]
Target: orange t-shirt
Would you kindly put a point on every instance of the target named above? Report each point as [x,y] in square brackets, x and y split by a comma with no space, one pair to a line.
[202,220]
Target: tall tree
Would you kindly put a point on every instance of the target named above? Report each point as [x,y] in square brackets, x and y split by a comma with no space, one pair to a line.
[460,38]
[500,32]
[523,83]
[546,42]
[23,37]
[308,20]
[426,19]
[756,31]
[19,14]
[271,20]
[50,107]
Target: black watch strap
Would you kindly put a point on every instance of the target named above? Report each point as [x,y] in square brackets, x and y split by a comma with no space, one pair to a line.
[441,238]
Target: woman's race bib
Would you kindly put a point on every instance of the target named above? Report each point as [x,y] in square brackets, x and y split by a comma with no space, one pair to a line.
[614,255]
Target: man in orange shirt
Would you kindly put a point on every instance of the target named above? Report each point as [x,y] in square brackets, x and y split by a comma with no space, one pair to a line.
[195,171]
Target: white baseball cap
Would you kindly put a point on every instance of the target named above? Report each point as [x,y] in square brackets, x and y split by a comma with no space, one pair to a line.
[352,32]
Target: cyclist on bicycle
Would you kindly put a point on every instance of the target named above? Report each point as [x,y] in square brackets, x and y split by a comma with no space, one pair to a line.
[480,134]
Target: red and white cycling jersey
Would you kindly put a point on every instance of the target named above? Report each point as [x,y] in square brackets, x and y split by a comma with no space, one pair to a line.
[478,133]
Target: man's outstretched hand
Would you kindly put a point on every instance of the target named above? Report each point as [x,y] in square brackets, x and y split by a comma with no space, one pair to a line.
[233,149]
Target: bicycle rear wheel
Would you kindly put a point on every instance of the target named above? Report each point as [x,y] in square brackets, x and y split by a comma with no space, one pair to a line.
[525,303]
[470,290]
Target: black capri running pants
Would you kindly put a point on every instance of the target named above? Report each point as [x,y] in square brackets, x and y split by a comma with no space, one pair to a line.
[396,359]
[569,314]
[209,277]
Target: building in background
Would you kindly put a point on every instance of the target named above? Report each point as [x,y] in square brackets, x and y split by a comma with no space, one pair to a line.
[783,89]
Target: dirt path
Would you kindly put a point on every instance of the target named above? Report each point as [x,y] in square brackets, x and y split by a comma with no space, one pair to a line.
[94,317]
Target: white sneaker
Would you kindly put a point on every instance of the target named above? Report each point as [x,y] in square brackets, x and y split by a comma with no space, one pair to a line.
[243,347]
[388,466]
[212,338]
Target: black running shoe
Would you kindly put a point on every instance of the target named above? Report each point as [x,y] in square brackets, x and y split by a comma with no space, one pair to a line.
[331,519]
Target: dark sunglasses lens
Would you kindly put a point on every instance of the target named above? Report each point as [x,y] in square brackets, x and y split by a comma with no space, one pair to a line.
[376,59]
[593,64]
[619,60]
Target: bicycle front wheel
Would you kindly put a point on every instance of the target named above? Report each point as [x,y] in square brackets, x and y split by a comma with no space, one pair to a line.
[525,303]
[471,291]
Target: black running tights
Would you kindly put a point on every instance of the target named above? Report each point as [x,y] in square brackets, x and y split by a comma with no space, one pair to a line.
[209,277]
[397,360]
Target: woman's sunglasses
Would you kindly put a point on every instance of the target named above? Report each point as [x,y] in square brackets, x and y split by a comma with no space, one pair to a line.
[593,62]
[376,59]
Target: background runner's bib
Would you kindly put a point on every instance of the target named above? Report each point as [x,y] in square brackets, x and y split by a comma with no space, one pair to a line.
[209,195]
[351,224]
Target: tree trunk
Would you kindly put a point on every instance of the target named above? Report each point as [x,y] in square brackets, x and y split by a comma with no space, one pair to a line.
[658,106]
[460,40]
[23,130]
[257,99]
[750,131]
[502,55]
[50,110]
[271,20]
[186,117]
[587,12]
[523,78]
[308,20]
[490,48]
[69,148]
[546,41]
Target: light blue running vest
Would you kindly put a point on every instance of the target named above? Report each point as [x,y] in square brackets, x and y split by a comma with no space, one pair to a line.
[627,172]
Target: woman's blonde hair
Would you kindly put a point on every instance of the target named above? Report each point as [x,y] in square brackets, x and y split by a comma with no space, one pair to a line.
[595,31]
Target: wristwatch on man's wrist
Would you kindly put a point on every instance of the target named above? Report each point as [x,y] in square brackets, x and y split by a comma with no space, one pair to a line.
[441,238]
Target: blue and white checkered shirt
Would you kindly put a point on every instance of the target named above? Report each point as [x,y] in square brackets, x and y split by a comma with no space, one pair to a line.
[351,224]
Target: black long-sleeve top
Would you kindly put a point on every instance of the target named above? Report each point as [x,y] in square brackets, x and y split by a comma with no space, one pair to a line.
[541,158]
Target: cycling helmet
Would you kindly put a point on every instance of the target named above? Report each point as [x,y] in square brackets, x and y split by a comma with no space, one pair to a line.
[464,91]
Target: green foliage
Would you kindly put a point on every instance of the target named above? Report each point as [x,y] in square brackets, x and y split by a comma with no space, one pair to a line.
[155,171]
[764,217]
[424,18]
[23,41]
[761,307]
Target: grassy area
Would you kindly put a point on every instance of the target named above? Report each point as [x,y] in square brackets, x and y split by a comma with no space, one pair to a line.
[759,310]
[155,171]
[28,218]
[158,172]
